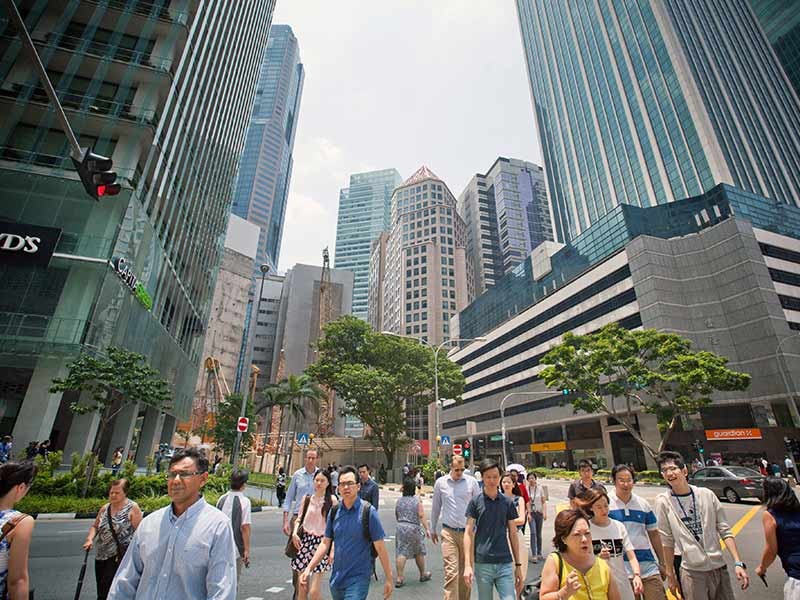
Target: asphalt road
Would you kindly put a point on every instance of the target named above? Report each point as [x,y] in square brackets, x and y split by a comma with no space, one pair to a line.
[56,555]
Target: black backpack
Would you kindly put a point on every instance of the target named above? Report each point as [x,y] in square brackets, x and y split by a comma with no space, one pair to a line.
[365,506]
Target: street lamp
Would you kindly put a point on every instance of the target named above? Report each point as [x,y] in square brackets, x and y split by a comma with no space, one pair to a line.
[503,417]
[436,350]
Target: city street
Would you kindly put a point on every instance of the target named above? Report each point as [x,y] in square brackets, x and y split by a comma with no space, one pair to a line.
[56,555]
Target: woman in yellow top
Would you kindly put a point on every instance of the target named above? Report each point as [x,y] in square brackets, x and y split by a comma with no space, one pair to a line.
[574,571]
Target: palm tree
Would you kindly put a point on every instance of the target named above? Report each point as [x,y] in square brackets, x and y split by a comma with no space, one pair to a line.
[295,394]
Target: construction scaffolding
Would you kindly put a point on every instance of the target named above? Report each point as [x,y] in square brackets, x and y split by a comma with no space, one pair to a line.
[214,392]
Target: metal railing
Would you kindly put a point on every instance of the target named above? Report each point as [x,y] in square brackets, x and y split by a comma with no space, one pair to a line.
[41,328]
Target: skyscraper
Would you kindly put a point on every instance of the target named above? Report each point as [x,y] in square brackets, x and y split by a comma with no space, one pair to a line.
[427,277]
[507,215]
[649,102]
[780,20]
[165,89]
[364,209]
[265,170]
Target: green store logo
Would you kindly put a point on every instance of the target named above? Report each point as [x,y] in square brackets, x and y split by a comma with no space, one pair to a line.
[124,272]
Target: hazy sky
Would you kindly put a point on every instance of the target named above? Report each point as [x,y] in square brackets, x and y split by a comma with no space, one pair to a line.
[400,83]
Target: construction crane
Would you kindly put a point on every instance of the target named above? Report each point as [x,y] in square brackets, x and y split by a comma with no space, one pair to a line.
[325,422]
[215,390]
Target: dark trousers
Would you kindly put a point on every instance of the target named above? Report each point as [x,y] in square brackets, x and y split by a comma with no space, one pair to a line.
[104,571]
[536,533]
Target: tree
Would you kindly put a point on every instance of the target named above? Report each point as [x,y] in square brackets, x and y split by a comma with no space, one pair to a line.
[108,384]
[621,372]
[381,377]
[224,431]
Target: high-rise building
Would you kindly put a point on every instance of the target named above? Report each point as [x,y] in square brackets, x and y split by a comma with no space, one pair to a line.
[780,20]
[426,272]
[377,268]
[507,215]
[649,102]
[164,89]
[265,169]
[364,212]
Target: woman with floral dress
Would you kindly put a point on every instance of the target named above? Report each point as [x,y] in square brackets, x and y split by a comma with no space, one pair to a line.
[314,511]
[16,527]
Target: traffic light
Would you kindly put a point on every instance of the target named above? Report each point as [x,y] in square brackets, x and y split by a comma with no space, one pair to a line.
[96,175]
[566,392]
[698,446]
[480,446]
[466,449]
[792,446]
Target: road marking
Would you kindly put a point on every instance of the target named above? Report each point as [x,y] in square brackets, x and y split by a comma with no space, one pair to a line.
[274,590]
[72,531]
[254,598]
[288,581]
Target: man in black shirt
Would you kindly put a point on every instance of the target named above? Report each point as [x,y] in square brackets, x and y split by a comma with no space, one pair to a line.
[585,483]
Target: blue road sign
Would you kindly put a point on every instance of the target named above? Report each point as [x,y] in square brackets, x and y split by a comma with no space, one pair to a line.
[302,438]
[445,441]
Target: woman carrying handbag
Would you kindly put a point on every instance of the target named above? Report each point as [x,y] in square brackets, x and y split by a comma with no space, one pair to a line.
[111,533]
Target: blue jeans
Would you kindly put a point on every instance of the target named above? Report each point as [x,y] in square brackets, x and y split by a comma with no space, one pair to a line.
[497,576]
[357,590]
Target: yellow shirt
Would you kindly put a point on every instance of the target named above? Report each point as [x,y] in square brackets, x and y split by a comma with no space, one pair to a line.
[594,583]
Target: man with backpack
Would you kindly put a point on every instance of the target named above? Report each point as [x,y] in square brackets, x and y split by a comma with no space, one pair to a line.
[354,526]
[237,507]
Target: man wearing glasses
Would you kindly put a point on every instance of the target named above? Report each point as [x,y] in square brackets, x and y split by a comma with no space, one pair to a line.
[451,495]
[184,550]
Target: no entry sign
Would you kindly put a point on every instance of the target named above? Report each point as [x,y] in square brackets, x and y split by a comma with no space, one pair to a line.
[457,449]
[242,424]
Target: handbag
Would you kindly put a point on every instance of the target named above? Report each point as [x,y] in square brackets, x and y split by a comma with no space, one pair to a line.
[291,551]
[120,551]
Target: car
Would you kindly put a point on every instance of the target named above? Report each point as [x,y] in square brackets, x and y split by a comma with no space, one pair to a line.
[730,482]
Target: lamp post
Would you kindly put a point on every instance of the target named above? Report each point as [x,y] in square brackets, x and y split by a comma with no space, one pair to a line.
[789,391]
[436,350]
[503,417]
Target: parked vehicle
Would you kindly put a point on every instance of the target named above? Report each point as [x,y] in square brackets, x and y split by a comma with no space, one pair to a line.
[730,482]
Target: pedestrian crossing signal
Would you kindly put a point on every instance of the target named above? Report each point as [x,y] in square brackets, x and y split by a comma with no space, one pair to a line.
[566,392]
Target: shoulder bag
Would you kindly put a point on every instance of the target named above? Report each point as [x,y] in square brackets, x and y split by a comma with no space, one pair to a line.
[120,549]
[291,551]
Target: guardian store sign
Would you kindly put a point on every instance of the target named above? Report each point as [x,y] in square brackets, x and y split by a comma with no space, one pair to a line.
[120,266]
[27,245]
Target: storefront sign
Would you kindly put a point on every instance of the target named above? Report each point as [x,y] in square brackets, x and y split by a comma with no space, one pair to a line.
[22,244]
[125,273]
[733,434]
[549,447]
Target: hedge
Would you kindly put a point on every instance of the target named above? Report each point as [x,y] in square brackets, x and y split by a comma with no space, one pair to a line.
[603,474]
[34,504]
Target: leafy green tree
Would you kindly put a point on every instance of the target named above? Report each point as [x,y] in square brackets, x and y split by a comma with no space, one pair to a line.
[108,384]
[381,377]
[620,372]
[224,431]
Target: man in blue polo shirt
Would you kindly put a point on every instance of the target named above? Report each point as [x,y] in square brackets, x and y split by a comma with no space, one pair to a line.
[352,561]
[490,527]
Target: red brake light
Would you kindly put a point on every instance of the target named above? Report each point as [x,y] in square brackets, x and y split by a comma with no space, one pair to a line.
[746,481]
[101,190]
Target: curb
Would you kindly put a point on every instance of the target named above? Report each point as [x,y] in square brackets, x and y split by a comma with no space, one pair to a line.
[68,516]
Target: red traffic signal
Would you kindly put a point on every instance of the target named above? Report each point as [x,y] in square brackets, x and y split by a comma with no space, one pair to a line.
[466,444]
[96,175]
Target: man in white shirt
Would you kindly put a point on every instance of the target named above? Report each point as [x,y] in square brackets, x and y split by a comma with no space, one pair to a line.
[451,495]
[238,509]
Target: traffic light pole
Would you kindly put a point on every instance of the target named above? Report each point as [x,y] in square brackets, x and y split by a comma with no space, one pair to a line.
[30,51]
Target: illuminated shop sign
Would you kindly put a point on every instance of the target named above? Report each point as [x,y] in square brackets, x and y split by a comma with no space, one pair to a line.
[124,272]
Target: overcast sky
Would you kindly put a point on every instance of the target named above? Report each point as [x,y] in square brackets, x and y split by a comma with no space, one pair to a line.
[400,83]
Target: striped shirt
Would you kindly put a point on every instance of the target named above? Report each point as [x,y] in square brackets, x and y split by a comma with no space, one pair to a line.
[638,517]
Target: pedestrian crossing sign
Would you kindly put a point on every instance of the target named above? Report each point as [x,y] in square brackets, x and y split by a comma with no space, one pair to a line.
[445,440]
[302,439]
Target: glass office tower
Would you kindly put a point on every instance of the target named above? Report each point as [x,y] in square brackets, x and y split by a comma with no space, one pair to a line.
[165,88]
[265,170]
[780,20]
[364,213]
[648,102]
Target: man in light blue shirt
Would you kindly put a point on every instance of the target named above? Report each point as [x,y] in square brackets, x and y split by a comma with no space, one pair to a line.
[184,550]
[451,495]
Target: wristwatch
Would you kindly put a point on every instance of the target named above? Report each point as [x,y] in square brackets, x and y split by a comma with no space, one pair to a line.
[740,564]
[517,564]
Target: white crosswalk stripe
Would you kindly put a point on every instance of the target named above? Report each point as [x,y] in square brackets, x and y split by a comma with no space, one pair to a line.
[274,590]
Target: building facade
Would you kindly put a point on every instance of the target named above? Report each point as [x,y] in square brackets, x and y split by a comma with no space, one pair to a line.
[264,330]
[780,21]
[151,86]
[427,276]
[721,269]
[223,341]
[265,169]
[649,102]
[507,215]
[364,213]
[377,270]
[298,327]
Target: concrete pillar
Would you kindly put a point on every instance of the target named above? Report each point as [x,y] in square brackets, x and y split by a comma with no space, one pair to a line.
[81,436]
[39,407]
[150,435]
[608,449]
[167,429]
[123,430]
